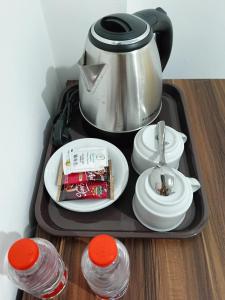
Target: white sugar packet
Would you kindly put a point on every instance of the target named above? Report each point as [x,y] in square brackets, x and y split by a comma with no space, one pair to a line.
[77,160]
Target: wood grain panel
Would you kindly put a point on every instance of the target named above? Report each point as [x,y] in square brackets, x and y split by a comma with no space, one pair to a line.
[176,269]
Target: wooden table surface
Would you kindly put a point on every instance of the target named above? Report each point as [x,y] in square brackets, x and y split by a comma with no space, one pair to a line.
[175,269]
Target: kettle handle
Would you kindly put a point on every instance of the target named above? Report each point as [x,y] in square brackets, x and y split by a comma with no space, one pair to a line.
[162,26]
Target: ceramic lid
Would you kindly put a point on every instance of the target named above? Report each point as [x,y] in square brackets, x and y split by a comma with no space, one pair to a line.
[146,143]
[165,206]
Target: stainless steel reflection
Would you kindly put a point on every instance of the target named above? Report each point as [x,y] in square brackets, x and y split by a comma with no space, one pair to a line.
[120,92]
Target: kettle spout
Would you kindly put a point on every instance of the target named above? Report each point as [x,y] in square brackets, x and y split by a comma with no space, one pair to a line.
[92,75]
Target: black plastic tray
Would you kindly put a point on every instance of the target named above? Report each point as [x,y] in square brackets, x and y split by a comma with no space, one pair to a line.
[119,219]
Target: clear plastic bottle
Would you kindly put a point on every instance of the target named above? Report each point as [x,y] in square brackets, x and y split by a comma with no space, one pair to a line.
[106,267]
[35,266]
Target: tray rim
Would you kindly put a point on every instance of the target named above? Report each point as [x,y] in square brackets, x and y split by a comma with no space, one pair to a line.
[130,234]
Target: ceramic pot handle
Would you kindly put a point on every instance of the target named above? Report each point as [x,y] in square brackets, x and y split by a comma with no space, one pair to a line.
[195,184]
[184,137]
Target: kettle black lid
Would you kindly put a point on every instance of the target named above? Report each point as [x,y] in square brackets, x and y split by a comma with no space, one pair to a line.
[120,33]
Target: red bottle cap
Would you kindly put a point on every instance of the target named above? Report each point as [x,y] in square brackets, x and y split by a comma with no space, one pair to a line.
[23,254]
[102,250]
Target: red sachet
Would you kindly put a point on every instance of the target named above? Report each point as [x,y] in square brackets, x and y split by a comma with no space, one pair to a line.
[87,190]
[82,177]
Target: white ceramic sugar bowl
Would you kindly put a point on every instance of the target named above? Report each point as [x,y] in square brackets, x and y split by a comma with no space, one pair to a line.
[163,213]
[145,150]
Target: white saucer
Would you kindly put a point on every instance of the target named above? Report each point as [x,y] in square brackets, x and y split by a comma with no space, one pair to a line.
[120,171]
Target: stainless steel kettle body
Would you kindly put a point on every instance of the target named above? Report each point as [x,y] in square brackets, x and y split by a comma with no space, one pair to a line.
[120,84]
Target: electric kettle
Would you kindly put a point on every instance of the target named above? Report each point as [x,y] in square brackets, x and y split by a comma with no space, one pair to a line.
[120,82]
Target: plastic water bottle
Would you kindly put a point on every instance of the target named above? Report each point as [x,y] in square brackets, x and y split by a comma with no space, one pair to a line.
[105,266]
[35,266]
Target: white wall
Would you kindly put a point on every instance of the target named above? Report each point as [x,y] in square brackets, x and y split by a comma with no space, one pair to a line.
[199,43]
[68,23]
[199,36]
[29,90]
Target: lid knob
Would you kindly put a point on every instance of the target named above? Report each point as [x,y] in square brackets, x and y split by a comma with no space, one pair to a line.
[23,254]
[102,250]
